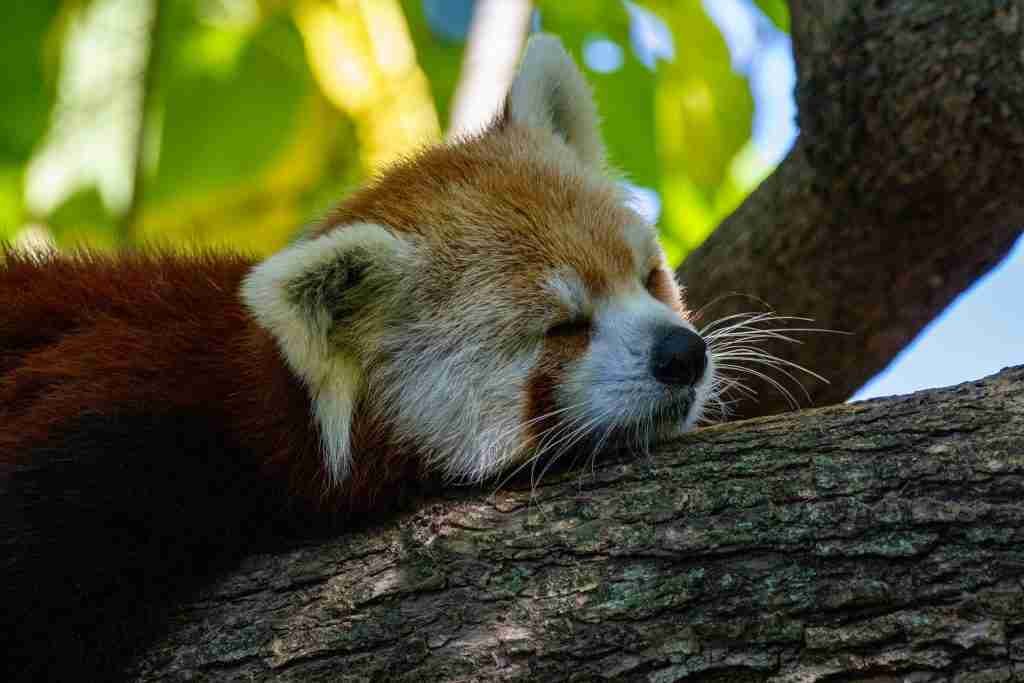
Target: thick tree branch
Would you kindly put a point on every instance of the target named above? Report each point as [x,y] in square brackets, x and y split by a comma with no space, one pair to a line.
[904,187]
[876,541]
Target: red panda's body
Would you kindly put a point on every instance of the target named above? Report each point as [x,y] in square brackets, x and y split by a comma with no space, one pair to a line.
[92,334]
[95,334]
[150,433]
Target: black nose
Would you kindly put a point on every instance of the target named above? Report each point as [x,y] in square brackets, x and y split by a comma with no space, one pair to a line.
[679,356]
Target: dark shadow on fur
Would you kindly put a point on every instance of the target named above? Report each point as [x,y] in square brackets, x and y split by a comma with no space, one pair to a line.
[113,522]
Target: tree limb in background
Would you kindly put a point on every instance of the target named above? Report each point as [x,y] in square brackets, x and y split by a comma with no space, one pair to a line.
[904,187]
[127,226]
[884,537]
[496,37]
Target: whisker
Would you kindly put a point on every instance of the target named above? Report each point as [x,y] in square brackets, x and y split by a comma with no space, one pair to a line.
[722,297]
[750,321]
[740,318]
[784,372]
[538,441]
[733,344]
[568,443]
[767,378]
[756,355]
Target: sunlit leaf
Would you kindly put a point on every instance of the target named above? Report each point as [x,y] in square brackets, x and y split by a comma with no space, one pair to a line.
[689,215]
[27,84]
[704,118]
[364,61]
[250,149]
[11,178]
[224,122]
[705,108]
[311,173]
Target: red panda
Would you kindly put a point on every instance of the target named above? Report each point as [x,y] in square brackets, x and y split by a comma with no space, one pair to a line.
[489,301]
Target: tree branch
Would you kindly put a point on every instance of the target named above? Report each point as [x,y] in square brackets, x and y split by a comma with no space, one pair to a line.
[904,187]
[881,539]
[127,227]
[495,41]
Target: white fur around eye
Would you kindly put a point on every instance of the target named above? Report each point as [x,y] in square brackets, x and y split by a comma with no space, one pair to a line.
[570,292]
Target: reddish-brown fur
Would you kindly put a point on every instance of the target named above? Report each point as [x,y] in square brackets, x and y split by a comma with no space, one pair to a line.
[95,333]
[494,190]
[121,341]
[549,373]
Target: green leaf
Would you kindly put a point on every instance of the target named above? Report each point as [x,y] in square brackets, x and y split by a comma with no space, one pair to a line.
[27,84]
[625,99]
[705,109]
[11,181]
[27,80]
[704,118]
[231,102]
[777,11]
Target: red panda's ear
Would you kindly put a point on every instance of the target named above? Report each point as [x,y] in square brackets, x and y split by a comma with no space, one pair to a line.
[313,298]
[549,92]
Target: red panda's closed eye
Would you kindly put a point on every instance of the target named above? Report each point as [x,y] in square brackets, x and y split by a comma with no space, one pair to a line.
[660,285]
[649,279]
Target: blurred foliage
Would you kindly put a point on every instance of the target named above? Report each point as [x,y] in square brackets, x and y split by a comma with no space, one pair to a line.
[246,119]
[29,32]
[777,11]
[440,56]
[625,97]
[704,118]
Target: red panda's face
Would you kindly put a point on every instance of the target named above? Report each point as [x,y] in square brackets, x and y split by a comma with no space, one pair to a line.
[491,300]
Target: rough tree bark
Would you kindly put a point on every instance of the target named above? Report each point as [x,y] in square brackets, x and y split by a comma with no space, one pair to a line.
[904,187]
[878,541]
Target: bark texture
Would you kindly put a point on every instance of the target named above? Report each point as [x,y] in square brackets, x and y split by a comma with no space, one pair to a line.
[878,541]
[904,187]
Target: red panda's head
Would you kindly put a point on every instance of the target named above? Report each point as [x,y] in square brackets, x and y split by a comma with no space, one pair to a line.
[490,299]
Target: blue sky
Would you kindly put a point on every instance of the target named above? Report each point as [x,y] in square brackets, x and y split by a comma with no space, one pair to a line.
[980,333]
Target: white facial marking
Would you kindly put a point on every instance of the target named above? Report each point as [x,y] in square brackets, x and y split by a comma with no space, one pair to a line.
[335,402]
[570,291]
[701,393]
[463,409]
[641,238]
[612,381]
